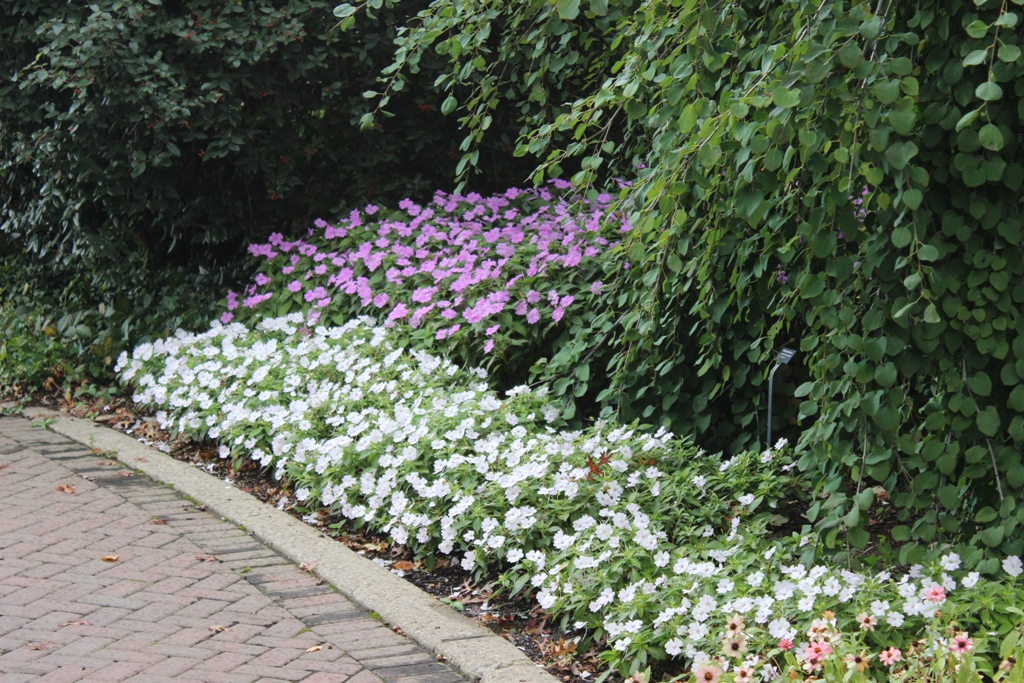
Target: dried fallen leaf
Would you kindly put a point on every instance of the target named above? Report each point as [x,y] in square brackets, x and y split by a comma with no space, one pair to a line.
[308,567]
[158,521]
[141,460]
[211,558]
[315,648]
[217,628]
[4,466]
[80,622]
[125,474]
[110,558]
[45,645]
[66,488]
[404,565]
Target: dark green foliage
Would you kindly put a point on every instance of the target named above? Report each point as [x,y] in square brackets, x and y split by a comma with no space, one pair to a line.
[190,127]
[839,177]
[63,327]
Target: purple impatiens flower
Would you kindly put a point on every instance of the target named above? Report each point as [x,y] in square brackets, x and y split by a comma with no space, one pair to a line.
[459,264]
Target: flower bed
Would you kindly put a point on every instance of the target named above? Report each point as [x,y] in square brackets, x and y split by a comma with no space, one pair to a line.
[636,540]
[486,276]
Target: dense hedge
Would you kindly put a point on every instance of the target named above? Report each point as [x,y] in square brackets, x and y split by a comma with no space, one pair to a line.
[842,177]
[189,127]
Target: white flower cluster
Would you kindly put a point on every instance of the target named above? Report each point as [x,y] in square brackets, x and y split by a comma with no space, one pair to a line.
[640,536]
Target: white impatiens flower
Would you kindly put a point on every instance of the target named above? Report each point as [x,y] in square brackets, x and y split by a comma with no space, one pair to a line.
[1013,566]
[950,562]
[404,443]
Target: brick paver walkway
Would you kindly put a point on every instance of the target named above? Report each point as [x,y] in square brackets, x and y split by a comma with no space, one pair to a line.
[189,597]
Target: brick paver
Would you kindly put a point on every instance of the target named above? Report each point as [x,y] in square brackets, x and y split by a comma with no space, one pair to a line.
[189,598]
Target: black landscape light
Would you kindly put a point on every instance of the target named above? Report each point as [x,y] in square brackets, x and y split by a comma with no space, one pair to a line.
[785,355]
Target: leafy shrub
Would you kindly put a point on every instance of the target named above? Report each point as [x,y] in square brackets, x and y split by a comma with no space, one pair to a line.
[63,326]
[193,127]
[498,280]
[842,177]
[637,540]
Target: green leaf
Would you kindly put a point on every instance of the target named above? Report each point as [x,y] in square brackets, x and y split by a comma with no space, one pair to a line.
[344,11]
[887,91]
[885,375]
[985,515]
[900,154]
[900,533]
[871,28]
[967,119]
[1017,398]
[568,9]
[1007,20]
[850,56]
[816,71]
[977,29]
[901,66]
[449,104]
[786,98]
[927,253]
[930,314]
[980,384]
[988,421]
[903,120]
[1008,53]
[912,198]
[976,57]
[901,237]
[989,91]
[599,7]
[687,119]
[992,536]
[991,138]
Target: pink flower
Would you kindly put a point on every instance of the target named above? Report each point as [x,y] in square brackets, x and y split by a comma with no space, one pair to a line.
[227,317]
[488,345]
[533,316]
[323,302]
[521,308]
[566,301]
[399,311]
[380,300]
[491,330]
[294,286]
[557,314]
[785,644]
[961,644]
[935,594]
[890,656]
[262,279]
[371,209]
[596,287]
[532,296]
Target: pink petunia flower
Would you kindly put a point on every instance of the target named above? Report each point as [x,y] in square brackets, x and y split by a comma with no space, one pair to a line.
[294,286]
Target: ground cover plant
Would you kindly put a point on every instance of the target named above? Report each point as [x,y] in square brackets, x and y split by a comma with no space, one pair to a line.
[500,281]
[638,540]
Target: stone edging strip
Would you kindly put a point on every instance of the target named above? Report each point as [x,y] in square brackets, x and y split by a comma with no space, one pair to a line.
[466,644]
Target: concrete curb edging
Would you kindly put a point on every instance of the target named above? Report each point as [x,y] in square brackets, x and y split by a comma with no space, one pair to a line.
[466,644]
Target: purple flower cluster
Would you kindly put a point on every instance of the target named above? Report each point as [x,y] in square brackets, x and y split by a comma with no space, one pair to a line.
[460,263]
